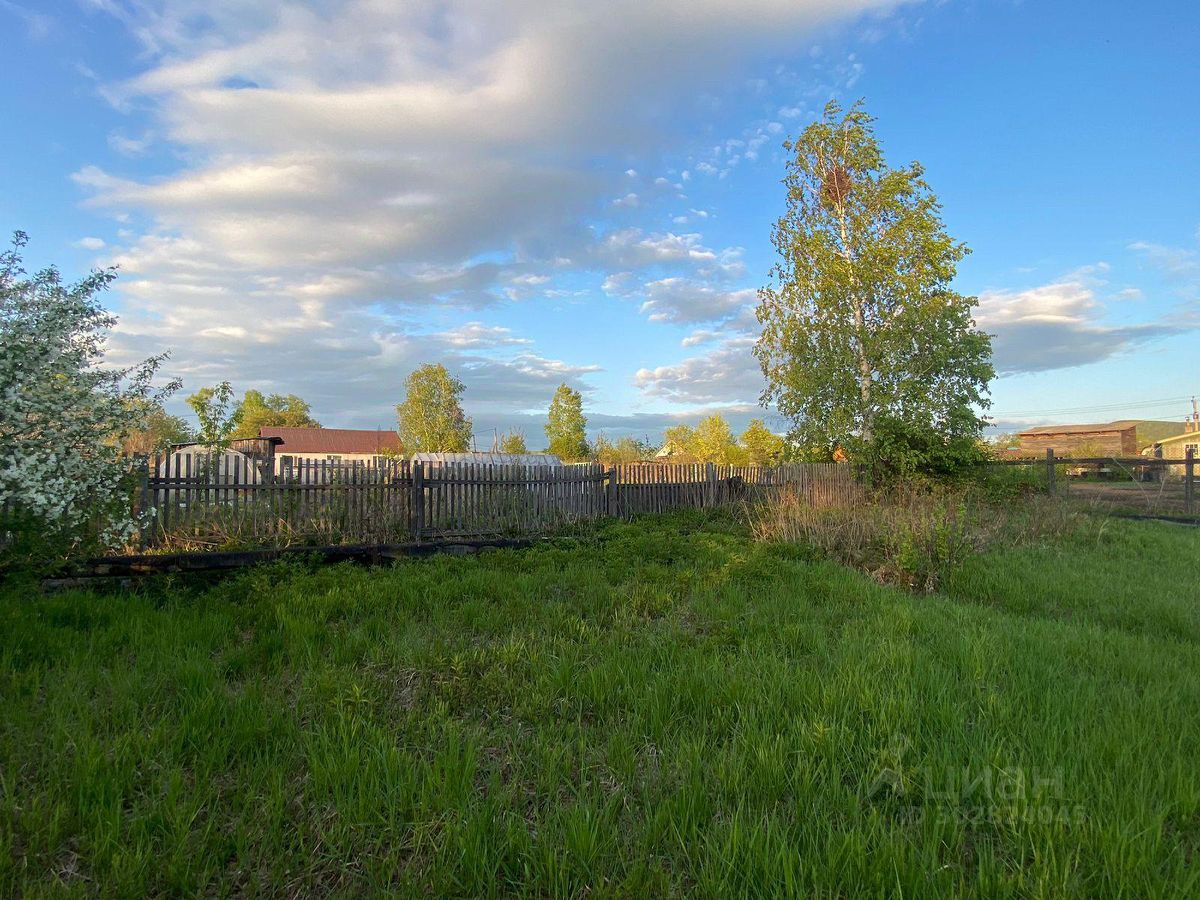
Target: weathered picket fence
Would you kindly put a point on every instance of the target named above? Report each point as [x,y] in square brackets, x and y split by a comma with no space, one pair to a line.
[230,499]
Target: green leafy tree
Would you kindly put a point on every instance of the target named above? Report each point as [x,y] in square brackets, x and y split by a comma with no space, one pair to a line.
[625,450]
[682,439]
[762,446]
[431,418]
[217,415]
[713,441]
[256,411]
[862,332]
[159,431]
[514,443]
[566,426]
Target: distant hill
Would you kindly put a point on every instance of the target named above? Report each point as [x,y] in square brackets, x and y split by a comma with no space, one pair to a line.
[1149,430]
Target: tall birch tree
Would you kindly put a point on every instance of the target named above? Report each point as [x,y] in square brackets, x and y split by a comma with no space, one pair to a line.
[864,341]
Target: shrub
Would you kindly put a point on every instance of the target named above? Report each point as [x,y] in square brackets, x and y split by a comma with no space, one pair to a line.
[905,450]
[64,481]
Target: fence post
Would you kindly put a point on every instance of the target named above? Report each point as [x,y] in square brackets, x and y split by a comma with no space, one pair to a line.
[710,474]
[611,492]
[141,502]
[1189,481]
[418,499]
[1049,471]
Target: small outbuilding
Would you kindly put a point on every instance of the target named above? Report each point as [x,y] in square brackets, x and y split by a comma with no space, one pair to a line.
[230,466]
[1111,439]
[434,460]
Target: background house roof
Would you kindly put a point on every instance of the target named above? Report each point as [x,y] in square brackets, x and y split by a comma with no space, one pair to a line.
[1081,429]
[331,440]
[1180,438]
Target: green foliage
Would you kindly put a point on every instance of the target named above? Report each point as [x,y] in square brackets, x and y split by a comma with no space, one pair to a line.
[159,431]
[626,450]
[904,449]
[713,440]
[217,415]
[663,708]
[761,445]
[861,323]
[513,442]
[683,439]
[566,426]
[256,411]
[431,417]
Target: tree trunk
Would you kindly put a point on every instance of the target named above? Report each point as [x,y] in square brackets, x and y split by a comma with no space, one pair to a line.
[860,330]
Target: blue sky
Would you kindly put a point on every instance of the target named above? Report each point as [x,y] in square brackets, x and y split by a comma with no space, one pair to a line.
[317,199]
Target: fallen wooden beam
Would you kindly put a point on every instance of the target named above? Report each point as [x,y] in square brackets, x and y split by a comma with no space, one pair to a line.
[144,564]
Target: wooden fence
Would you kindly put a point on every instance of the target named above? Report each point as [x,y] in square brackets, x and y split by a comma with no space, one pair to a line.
[1145,482]
[193,502]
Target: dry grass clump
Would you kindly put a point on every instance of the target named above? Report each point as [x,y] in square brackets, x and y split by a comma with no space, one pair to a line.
[912,534]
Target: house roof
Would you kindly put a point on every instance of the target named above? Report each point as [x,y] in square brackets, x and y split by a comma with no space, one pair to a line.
[670,448]
[1125,425]
[1179,438]
[331,440]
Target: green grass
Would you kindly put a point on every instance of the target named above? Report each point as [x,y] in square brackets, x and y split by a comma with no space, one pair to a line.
[661,707]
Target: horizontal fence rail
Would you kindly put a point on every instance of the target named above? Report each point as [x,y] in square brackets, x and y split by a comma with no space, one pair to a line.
[1151,483]
[228,499]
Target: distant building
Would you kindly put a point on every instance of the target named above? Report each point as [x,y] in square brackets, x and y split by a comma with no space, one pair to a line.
[434,460]
[193,460]
[340,445]
[1111,439]
[670,450]
[1176,448]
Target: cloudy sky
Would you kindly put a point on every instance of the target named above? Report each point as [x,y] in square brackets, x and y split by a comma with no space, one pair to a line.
[315,198]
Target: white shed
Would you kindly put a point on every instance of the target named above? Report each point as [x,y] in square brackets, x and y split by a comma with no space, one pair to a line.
[433,460]
[197,461]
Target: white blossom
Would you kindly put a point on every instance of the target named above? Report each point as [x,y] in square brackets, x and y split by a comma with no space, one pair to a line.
[62,414]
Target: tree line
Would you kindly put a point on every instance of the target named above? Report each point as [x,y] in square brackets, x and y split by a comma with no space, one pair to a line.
[431,418]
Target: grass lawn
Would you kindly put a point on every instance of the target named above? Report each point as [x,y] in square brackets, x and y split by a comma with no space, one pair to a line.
[661,707]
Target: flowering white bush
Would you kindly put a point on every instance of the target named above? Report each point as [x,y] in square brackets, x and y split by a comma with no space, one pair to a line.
[62,416]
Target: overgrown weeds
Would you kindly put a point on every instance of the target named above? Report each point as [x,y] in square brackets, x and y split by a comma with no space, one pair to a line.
[911,534]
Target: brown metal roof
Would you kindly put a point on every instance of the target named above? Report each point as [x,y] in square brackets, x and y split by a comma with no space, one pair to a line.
[331,440]
[1081,429]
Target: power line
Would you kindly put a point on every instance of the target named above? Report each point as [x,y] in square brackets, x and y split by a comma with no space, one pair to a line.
[1103,407]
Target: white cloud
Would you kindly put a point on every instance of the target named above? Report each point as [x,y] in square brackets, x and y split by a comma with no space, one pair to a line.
[729,374]
[683,301]
[348,165]
[478,335]
[1176,261]
[1064,324]
[128,146]
[90,243]
[37,25]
